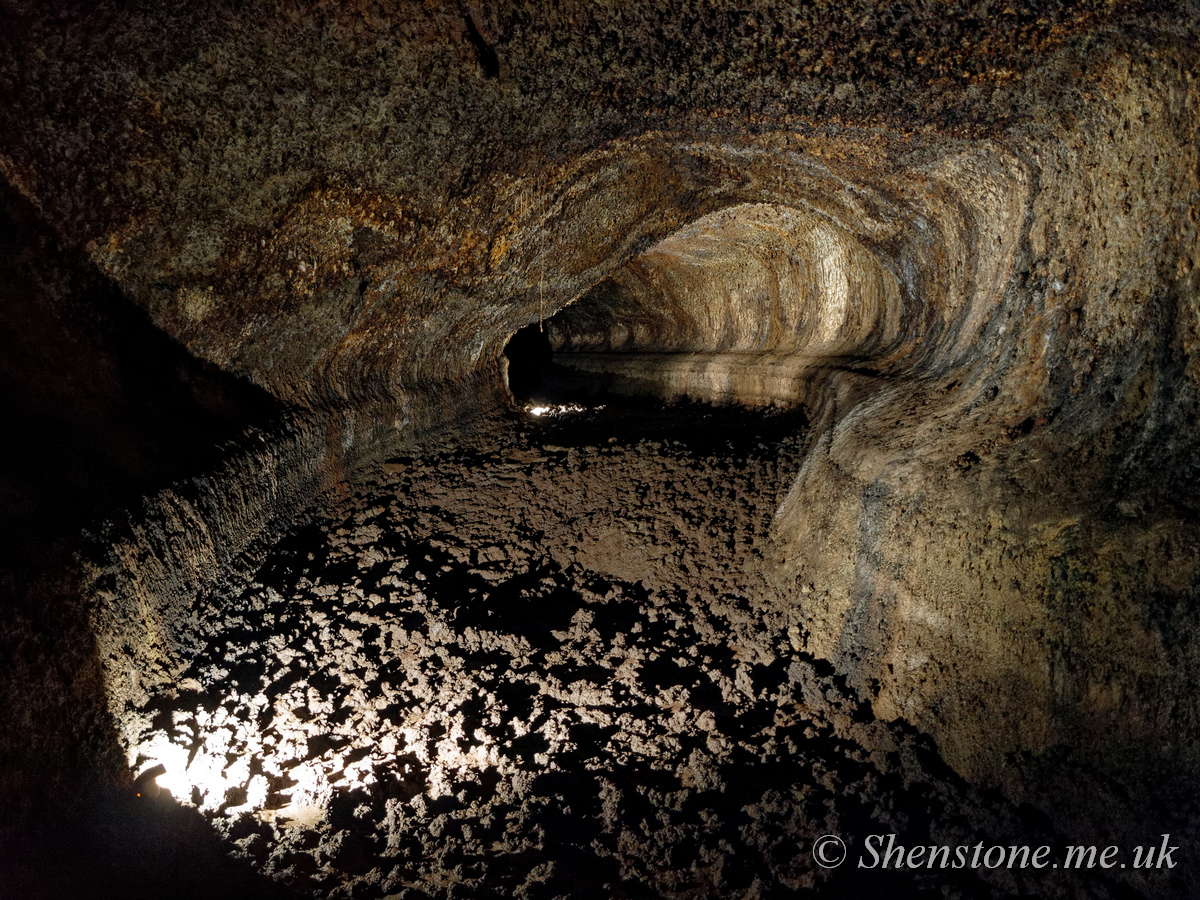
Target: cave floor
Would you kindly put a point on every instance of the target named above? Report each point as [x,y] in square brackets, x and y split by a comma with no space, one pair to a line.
[548,663]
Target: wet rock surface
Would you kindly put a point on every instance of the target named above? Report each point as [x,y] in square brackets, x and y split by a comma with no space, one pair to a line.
[549,664]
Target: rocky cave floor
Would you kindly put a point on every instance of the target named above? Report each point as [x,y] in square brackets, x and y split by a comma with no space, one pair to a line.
[547,663]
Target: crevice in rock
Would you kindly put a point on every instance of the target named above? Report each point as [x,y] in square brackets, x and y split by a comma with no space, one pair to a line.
[489,62]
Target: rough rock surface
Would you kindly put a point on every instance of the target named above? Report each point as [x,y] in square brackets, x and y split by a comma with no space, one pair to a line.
[247,252]
[432,691]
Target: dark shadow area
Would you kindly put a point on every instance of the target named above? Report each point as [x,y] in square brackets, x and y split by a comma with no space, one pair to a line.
[98,408]
[117,845]
[97,405]
[71,823]
[536,378]
[701,428]
[489,62]
[533,376]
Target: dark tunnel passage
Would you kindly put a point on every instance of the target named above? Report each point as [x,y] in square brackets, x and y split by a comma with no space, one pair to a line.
[844,483]
[533,377]
[538,376]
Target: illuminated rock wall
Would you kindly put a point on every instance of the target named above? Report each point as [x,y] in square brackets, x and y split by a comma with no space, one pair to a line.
[967,244]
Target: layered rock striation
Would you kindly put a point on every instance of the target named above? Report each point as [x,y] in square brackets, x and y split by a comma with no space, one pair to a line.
[965,243]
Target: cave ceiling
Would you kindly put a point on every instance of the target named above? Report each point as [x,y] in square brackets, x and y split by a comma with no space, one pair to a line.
[251,250]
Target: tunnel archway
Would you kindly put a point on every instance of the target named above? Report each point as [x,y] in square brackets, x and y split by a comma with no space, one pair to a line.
[730,309]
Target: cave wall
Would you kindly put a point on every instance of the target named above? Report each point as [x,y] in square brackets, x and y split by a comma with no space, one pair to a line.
[973,237]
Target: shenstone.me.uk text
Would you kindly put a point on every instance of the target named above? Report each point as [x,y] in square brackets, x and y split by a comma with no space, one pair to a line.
[880,851]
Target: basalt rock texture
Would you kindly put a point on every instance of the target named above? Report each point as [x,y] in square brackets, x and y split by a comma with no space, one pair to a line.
[431,690]
[250,253]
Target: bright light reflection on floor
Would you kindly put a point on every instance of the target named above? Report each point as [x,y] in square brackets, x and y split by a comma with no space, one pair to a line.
[199,778]
[206,773]
[559,410]
[206,782]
